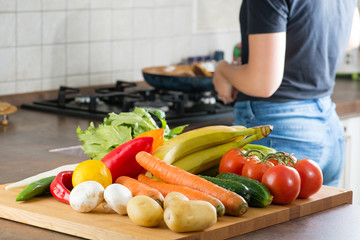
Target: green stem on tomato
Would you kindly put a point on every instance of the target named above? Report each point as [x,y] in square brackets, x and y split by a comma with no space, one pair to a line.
[281,157]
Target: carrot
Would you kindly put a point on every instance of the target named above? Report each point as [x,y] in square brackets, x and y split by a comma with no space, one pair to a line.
[234,204]
[191,194]
[138,188]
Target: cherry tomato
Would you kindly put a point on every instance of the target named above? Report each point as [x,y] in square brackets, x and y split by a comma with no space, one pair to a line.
[273,161]
[283,183]
[285,158]
[255,169]
[291,159]
[311,177]
[233,161]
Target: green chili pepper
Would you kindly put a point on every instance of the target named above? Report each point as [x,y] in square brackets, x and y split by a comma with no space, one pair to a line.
[35,189]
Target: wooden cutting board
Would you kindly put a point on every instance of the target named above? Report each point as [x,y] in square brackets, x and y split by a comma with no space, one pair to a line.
[48,213]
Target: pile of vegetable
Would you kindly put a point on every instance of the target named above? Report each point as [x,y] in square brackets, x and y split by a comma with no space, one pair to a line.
[154,174]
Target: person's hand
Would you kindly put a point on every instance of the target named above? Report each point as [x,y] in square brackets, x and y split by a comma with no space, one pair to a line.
[223,87]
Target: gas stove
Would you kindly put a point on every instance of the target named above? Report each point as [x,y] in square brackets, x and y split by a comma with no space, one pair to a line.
[179,107]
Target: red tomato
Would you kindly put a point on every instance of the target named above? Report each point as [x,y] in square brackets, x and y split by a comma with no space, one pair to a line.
[311,177]
[233,161]
[273,161]
[255,169]
[285,158]
[291,162]
[283,183]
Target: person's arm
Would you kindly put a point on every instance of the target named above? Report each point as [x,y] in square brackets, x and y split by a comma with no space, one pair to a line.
[263,74]
[354,40]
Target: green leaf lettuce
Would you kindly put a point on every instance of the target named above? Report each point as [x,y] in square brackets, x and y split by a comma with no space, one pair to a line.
[117,129]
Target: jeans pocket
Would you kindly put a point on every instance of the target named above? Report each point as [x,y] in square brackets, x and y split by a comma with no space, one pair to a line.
[300,149]
[327,149]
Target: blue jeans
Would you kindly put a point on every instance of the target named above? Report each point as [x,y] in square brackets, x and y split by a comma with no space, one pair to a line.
[307,128]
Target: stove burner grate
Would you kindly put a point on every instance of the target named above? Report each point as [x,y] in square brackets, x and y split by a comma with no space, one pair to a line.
[124,97]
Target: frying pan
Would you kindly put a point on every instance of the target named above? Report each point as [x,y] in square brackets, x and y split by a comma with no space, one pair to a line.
[177,78]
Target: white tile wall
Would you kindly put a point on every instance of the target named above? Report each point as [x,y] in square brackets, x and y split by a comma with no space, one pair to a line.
[53,4]
[163,51]
[28,26]
[52,83]
[78,25]
[143,23]
[122,55]
[143,3]
[123,4]
[101,78]
[100,57]
[77,81]
[182,21]
[7,27]
[54,27]
[28,63]
[28,5]
[53,57]
[100,25]
[101,4]
[77,58]
[7,66]
[6,5]
[160,27]
[78,4]
[48,43]
[143,53]
[29,85]
[122,25]
[8,88]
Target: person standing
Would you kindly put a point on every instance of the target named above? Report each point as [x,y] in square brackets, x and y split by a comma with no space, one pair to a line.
[290,52]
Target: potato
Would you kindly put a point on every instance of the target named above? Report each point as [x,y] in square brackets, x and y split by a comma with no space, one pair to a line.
[173,198]
[144,211]
[189,216]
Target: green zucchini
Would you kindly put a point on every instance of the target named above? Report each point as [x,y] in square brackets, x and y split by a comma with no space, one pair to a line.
[230,185]
[259,193]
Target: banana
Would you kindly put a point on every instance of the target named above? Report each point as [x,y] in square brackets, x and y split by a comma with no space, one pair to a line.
[198,139]
[199,161]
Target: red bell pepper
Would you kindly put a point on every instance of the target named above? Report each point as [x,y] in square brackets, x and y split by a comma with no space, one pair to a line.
[62,184]
[121,160]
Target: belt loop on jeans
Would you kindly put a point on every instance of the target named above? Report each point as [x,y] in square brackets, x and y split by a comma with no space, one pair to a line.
[323,103]
[250,110]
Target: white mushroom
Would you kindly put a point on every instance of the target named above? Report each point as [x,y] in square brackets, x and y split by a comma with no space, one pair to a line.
[117,197]
[108,209]
[86,196]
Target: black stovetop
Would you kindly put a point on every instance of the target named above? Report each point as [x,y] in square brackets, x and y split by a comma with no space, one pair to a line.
[180,107]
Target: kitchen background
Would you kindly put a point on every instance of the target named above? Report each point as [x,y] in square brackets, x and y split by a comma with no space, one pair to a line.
[79,43]
[48,43]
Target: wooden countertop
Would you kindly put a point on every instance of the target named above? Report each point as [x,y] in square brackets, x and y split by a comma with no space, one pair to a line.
[25,142]
[346,95]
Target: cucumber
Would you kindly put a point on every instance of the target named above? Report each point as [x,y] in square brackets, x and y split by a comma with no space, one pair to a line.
[230,185]
[259,193]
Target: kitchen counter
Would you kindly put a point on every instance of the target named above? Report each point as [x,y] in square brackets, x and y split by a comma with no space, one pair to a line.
[25,142]
[346,95]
